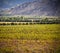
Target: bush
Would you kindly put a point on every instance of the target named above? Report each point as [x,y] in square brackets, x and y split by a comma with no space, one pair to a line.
[12,23]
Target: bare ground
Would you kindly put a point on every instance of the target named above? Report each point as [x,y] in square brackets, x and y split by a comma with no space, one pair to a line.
[29,46]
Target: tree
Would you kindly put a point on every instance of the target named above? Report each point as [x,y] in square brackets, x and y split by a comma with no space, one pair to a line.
[22,18]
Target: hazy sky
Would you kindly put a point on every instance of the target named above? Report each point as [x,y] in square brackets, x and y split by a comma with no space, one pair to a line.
[11,3]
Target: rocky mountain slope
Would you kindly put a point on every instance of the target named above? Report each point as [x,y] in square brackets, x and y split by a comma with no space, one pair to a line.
[37,8]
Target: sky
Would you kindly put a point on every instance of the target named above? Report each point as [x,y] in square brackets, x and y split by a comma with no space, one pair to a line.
[11,3]
[4,4]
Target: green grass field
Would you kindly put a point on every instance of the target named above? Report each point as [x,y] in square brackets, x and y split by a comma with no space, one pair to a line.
[43,38]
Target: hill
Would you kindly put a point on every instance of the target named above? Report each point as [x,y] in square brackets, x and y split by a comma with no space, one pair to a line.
[37,8]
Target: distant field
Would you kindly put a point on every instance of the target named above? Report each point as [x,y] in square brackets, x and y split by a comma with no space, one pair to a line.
[43,38]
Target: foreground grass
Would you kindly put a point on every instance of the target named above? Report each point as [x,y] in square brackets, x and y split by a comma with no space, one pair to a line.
[30,38]
[31,31]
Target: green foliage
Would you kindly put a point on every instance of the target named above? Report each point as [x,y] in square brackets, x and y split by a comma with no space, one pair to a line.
[46,20]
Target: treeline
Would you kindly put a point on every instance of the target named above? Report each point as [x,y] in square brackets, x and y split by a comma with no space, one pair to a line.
[24,20]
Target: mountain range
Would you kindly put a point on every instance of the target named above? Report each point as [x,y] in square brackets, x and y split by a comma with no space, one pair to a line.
[36,8]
